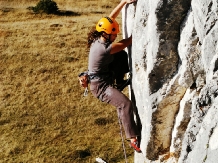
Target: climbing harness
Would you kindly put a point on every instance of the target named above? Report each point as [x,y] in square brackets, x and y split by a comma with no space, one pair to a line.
[85,78]
[121,134]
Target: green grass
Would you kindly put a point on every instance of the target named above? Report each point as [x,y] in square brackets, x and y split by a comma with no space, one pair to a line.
[44,116]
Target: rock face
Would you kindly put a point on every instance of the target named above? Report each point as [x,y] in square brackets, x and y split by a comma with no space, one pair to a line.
[174,62]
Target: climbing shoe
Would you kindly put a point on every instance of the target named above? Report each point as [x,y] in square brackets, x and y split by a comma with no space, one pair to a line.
[135,146]
[125,83]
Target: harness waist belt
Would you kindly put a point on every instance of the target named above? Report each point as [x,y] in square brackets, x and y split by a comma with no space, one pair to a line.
[99,75]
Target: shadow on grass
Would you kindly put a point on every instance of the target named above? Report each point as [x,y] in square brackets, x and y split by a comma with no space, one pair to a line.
[59,12]
[80,154]
[6,9]
[67,13]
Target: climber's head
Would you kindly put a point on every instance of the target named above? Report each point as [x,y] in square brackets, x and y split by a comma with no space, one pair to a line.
[108,25]
[107,28]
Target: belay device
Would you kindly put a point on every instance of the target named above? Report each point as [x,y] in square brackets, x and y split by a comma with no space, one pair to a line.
[84,81]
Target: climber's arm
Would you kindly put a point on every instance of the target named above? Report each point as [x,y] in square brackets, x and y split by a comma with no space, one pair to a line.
[118,8]
[118,46]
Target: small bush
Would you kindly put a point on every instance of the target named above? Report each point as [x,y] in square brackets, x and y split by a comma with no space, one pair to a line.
[46,6]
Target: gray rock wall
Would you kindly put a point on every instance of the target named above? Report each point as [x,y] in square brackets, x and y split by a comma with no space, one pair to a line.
[174,62]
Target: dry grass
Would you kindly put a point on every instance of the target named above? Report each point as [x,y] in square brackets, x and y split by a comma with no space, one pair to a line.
[43,114]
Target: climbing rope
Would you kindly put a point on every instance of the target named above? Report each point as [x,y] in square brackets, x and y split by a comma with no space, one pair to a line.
[121,134]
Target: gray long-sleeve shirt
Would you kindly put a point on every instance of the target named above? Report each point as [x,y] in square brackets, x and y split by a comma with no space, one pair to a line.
[99,57]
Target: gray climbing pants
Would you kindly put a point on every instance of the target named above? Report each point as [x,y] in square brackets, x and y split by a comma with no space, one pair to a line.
[106,93]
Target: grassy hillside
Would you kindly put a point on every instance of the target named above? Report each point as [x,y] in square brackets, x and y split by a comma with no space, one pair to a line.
[43,114]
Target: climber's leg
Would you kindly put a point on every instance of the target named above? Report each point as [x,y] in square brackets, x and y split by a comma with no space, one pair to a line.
[124,108]
[106,93]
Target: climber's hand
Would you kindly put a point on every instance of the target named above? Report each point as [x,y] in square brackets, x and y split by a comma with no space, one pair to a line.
[130,1]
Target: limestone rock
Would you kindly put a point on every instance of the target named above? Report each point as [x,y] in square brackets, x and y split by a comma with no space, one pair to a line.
[174,62]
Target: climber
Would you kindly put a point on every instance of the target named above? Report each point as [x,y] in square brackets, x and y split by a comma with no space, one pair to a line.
[108,60]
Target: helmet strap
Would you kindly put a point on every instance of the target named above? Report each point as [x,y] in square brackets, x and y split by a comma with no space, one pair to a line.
[106,38]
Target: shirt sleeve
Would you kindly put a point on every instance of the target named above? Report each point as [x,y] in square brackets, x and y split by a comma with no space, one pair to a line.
[108,50]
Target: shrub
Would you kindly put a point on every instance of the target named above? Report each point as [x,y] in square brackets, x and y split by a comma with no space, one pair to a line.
[46,6]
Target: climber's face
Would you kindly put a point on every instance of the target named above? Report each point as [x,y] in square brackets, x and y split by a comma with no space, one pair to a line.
[113,37]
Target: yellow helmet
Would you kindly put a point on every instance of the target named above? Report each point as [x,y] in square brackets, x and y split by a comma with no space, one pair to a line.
[108,25]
